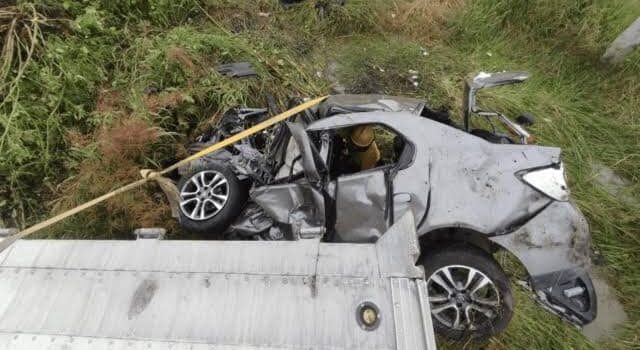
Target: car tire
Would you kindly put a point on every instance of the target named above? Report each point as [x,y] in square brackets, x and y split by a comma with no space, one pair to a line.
[215,213]
[482,313]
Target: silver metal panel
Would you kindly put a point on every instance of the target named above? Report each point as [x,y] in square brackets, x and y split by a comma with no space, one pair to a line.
[393,255]
[355,103]
[150,294]
[331,260]
[290,258]
[407,312]
[256,310]
[9,341]
[427,322]
[398,252]
[270,258]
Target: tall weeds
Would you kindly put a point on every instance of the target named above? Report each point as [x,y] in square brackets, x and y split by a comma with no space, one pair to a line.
[22,29]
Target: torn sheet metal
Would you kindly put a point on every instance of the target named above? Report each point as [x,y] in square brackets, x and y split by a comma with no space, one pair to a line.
[251,163]
[291,165]
[308,153]
[297,205]
[252,222]
[231,295]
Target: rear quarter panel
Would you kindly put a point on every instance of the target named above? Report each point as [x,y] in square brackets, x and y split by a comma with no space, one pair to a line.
[474,184]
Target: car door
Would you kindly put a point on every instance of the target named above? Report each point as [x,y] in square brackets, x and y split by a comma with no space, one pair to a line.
[356,206]
[361,205]
[406,180]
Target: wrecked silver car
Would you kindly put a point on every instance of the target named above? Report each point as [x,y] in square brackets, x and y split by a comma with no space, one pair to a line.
[347,169]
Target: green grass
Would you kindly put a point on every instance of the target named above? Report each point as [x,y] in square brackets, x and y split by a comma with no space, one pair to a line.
[94,60]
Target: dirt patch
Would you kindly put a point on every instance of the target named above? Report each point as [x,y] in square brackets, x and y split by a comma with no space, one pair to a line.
[163,100]
[109,101]
[77,139]
[421,19]
[180,56]
[142,297]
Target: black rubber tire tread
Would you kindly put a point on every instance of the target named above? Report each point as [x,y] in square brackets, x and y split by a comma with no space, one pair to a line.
[467,255]
[238,196]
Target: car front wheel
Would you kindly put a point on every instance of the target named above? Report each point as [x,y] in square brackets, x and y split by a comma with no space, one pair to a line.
[469,293]
[211,196]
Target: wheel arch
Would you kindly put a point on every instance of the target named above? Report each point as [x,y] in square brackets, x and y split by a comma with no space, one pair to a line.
[448,236]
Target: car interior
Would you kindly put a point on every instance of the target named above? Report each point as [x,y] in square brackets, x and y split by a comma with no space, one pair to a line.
[358,148]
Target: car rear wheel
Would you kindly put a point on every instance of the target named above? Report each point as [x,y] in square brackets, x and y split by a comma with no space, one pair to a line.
[211,196]
[469,294]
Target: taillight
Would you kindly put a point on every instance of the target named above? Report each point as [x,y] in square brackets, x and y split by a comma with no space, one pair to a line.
[550,180]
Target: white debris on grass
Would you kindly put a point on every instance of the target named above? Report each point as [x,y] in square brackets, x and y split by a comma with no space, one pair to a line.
[613,183]
[413,77]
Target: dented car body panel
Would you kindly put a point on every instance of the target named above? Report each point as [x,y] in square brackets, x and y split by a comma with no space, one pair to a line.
[554,246]
[361,198]
[298,205]
[471,182]
[550,240]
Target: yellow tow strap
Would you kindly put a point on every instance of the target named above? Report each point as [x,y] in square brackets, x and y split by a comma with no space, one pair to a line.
[151,175]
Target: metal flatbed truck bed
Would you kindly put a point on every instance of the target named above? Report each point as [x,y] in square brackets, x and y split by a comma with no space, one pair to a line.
[224,295]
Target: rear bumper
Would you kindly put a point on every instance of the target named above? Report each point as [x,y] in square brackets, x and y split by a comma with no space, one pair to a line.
[569,294]
[554,247]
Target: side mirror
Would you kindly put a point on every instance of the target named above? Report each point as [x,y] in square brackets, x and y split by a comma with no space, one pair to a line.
[526,119]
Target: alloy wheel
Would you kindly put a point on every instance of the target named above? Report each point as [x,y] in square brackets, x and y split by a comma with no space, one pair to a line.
[204,195]
[462,297]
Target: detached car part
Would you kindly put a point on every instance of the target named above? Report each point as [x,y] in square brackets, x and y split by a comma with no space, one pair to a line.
[490,80]
[237,70]
[472,192]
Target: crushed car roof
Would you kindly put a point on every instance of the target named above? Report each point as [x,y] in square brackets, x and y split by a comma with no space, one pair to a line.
[368,103]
